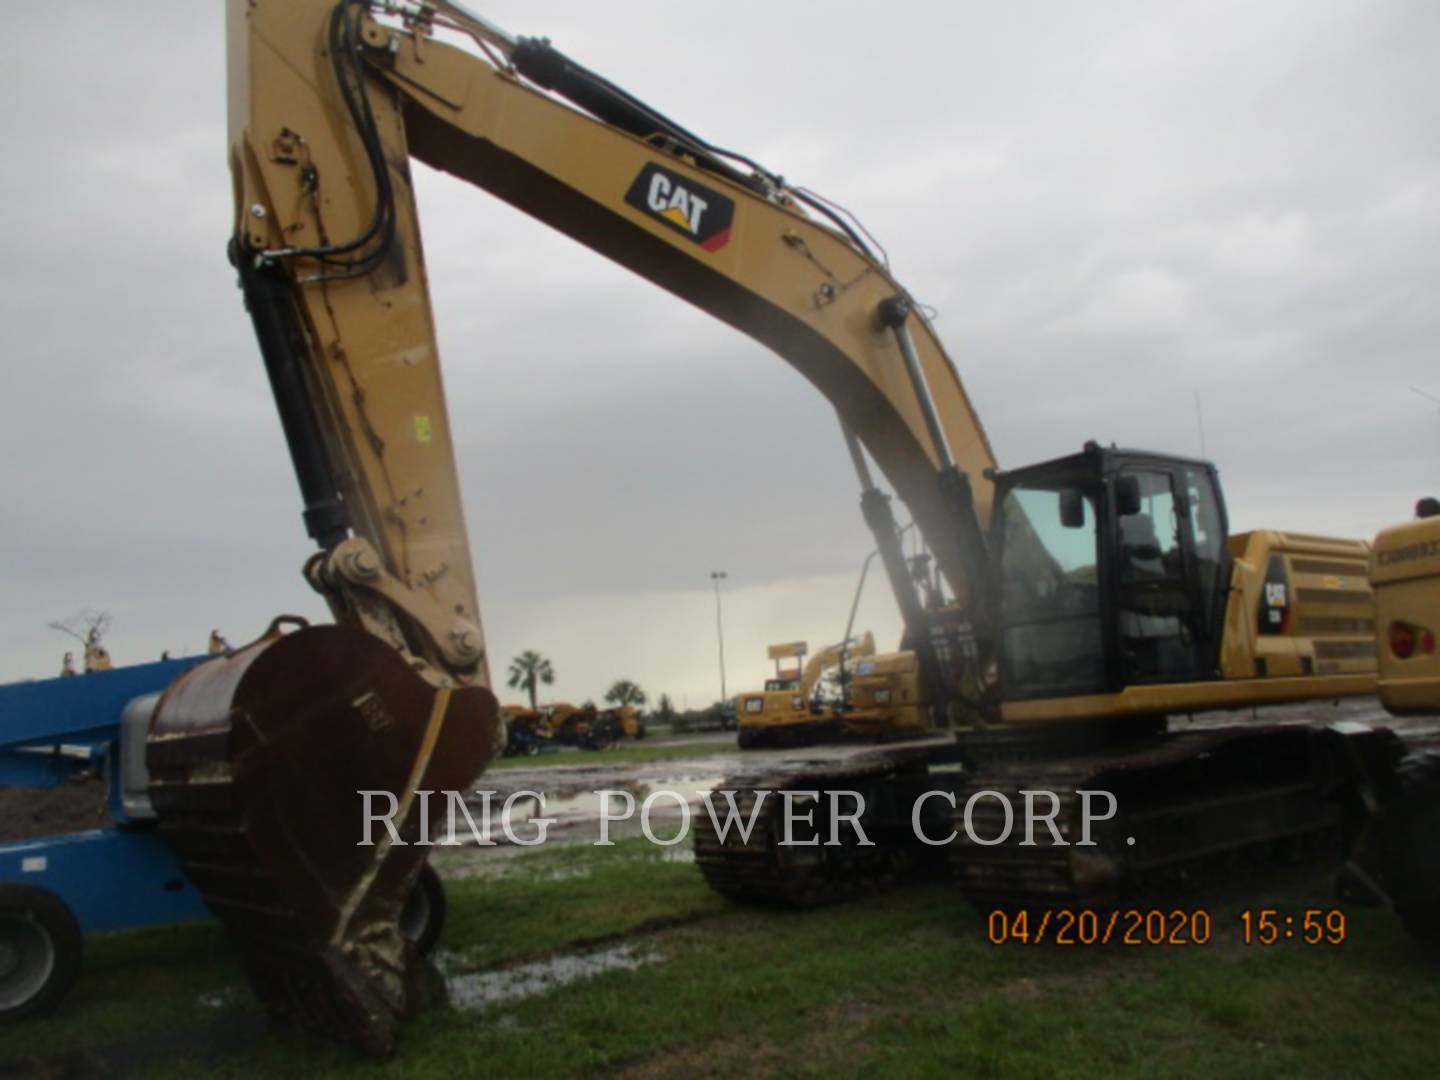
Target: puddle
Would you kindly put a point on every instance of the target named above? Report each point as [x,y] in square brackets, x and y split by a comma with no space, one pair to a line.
[574,804]
[510,818]
[448,961]
[482,990]
[219,999]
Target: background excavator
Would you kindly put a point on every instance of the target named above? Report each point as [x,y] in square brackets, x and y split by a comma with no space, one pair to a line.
[529,731]
[1393,862]
[590,727]
[1405,574]
[1087,597]
[787,712]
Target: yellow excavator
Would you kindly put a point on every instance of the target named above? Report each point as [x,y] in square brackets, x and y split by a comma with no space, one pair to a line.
[590,727]
[562,724]
[787,712]
[1087,597]
[1392,862]
[1405,573]
[885,698]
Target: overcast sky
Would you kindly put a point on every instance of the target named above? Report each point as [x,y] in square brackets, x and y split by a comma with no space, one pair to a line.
[1115,208]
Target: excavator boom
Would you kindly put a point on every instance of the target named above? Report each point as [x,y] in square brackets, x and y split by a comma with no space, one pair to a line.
[832,655]
[738,245]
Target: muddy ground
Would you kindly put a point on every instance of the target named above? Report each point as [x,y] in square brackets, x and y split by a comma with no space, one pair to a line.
[524,928]
[570,791]
[574,795]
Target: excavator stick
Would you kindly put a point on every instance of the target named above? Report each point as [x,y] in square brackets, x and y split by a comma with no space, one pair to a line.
[260,762]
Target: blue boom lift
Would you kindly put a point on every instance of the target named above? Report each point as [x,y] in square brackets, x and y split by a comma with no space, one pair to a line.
[55,890]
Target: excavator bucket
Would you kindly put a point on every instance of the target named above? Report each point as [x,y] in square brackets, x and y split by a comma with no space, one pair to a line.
[260,762]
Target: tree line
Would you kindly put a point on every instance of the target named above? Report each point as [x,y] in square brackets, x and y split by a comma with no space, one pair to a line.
[529,671]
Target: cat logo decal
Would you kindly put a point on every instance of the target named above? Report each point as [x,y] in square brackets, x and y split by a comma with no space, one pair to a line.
[693,210]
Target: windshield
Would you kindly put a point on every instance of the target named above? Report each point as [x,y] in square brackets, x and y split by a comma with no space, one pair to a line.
[1050,593]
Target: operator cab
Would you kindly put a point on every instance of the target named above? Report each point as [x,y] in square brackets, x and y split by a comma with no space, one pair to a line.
[775,686]
[1113,571]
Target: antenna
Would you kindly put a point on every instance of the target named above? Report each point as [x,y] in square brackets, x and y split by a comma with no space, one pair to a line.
[1428,397]
[1200,421]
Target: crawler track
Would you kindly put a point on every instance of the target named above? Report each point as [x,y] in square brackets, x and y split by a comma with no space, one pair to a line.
[762,870]
[1190,806]
[1197,805]
[787,736]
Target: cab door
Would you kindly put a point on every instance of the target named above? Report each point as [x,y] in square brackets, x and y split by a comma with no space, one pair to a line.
[1161,614]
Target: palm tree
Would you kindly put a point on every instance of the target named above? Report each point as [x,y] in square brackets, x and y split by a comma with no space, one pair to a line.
[528,671]
[624,692]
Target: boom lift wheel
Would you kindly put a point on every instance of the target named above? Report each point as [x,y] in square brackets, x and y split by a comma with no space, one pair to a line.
[423,916]
[40,950]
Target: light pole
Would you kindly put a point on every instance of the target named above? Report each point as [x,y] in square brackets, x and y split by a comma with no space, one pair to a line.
[718,576]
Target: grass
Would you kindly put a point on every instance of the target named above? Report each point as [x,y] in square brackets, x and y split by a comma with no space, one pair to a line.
[626,753]
[898,985]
